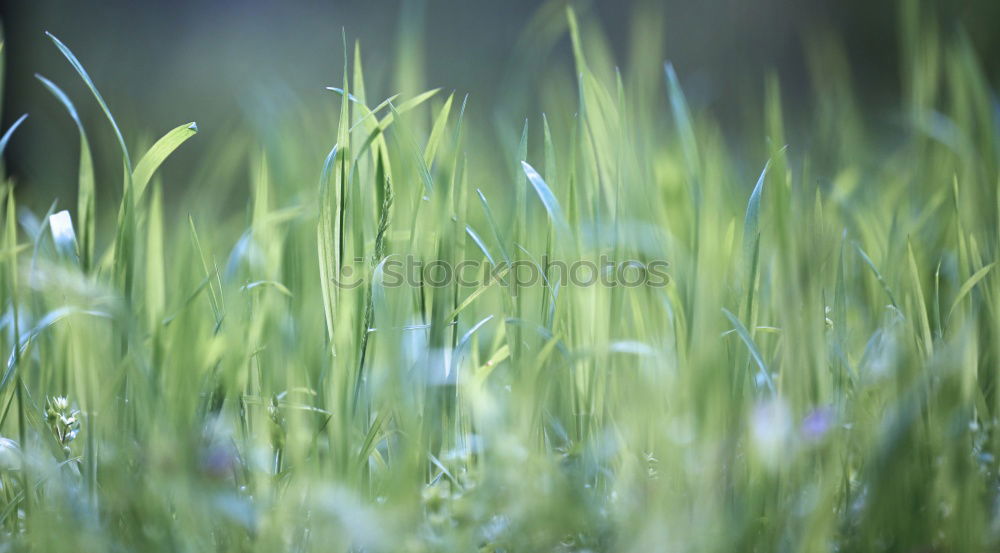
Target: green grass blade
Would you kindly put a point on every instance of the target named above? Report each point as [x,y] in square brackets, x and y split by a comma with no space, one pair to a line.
[497,234]
[157,154]
[73,61]
[744,335]
[548,200]
[437,131]
[751,221]
[878,275]
[967,287]
[86,188]
[10,132]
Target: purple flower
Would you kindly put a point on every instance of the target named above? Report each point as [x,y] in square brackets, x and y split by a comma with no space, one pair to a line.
[817,423]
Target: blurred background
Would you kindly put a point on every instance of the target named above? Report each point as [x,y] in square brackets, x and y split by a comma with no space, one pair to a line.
[244,68]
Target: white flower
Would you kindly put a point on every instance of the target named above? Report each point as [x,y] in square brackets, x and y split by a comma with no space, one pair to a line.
[60,403]
[770,429]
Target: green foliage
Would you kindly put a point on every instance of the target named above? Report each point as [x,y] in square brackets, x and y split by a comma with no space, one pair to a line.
[821,377]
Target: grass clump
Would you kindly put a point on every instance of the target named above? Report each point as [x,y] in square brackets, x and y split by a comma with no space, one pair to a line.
[817,374]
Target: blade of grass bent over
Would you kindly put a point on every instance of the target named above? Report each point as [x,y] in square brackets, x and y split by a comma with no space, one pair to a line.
[156,155]
[68,54]
[86,196]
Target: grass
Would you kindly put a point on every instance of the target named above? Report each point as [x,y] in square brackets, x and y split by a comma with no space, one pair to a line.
[818,375]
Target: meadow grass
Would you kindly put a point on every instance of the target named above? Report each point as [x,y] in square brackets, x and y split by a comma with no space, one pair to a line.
[819,374]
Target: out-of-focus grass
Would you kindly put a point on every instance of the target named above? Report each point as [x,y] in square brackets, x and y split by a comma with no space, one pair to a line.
[819,375]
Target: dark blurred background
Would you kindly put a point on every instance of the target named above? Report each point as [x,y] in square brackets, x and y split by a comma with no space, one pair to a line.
[223,63]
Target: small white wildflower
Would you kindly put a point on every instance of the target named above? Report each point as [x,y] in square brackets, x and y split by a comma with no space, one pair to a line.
[60,403]
[770,429]
[63,420]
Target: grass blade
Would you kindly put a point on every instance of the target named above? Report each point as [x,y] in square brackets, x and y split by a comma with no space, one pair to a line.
[86,210]
[157,154]
[73,61]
